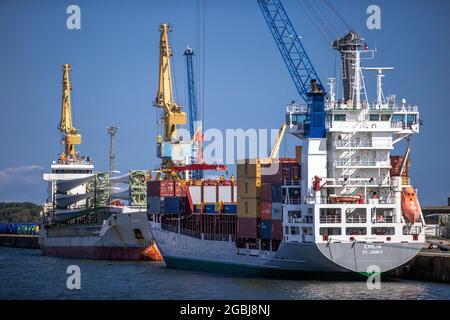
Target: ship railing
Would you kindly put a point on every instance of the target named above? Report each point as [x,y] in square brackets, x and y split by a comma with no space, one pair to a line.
[382,219]
[292,201]
[354,143]
[358,181]
[356,219]
[291,182]
[330,219]
[295,219]
[360,163]
[296,108]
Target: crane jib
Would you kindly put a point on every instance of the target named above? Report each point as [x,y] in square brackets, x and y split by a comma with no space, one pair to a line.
[294,55]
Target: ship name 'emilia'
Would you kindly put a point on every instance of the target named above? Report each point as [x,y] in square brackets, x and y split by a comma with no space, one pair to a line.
[236,309]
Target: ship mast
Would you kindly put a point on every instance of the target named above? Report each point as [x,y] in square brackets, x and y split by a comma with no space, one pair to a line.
[71,135]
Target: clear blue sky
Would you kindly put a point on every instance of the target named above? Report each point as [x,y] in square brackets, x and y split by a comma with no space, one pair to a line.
[115,69]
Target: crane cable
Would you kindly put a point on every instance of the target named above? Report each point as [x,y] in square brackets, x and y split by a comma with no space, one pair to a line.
[314,22]
[338,14]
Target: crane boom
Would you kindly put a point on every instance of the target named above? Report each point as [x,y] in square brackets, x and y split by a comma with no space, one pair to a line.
[294,55]
[276,146]
[71,135]
[192,97]
[173,115]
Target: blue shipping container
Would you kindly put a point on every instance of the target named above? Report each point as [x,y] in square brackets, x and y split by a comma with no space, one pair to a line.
[276,192]
[230,208]
[266,229]
[154,205]
[210,208]
[171,205]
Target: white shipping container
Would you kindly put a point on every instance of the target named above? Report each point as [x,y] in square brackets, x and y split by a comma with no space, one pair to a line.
[209,194]
[225,193]
[235,197]
[196,194]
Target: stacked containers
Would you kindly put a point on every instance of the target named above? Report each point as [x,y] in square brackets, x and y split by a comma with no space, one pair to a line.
[165,196]
[249,198]
[288,171]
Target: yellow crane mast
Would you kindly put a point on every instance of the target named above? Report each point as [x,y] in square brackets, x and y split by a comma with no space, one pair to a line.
[71,135]
[173,115]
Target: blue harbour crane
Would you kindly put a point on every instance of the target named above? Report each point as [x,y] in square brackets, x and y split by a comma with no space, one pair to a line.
[194,125]
[299,65]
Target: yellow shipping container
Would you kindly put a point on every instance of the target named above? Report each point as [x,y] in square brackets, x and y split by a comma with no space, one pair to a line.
[249,188]
[249,168]
[249,208]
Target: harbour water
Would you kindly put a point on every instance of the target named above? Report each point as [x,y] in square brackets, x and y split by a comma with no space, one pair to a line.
[25,274]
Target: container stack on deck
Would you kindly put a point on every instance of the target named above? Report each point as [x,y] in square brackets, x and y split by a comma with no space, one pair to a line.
[260,195]
[199,208]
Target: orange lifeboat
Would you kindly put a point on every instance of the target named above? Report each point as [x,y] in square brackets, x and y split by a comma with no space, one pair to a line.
[410,205]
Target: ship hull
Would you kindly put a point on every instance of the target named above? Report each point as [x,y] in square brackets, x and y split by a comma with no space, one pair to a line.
[123,236]
[291,260]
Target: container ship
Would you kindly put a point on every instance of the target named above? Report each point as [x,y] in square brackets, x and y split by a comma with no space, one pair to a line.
[82,217]
[343,206]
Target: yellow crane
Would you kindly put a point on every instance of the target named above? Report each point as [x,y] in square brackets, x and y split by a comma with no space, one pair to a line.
[173,115]
[71,135]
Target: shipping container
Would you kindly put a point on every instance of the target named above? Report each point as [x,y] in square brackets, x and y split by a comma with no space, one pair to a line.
[249,168]
[154,205]
[172,205]
[247,228]
[248,188]
[163,188]
[266,192]
[266,210]
[277,211]
[230,208]
[180,190]
[210,208]
[209,193]
[266,229]
[249,207]
[225,193]
[275,193]
[196,194]
[277,230]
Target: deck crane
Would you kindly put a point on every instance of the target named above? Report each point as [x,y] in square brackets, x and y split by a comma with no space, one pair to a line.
[168,144]
[71,135]
[302,72]
[195,129]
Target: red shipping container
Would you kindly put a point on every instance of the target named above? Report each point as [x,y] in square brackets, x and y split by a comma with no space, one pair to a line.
[163,188]
[266,192]
[247,228]
[180,190]
[277,230]
[266,210]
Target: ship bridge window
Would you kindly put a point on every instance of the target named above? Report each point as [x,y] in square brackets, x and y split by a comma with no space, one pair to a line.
[355,231]
[374,117]
[385,117]
[330,231]
[340,117]
[381,231]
